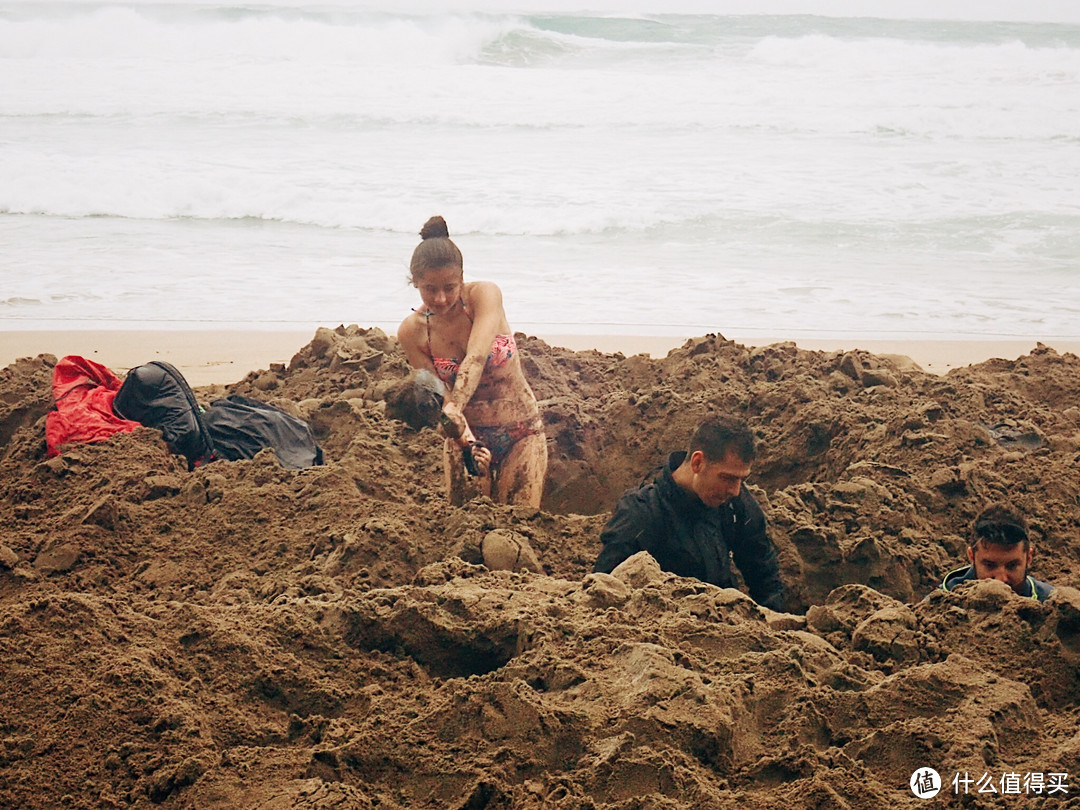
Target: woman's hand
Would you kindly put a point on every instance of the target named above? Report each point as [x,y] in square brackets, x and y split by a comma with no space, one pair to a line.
[482,458]
[477,457]
[454,424]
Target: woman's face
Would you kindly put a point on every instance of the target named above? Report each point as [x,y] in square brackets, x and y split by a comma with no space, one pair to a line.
[440,289]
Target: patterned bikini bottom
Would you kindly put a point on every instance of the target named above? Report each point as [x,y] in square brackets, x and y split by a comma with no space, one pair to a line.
[500,439]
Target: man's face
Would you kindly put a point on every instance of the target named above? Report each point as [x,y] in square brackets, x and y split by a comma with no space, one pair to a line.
[1008,564]
[716,483]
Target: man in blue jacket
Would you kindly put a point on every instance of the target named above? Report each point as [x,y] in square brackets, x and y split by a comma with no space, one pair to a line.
[999,548]
[696,516]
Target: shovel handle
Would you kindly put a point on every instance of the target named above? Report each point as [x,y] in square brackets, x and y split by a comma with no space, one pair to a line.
[452,431]
[470,459]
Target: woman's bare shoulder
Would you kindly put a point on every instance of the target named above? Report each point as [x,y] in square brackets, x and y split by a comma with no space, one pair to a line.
[483,293]
[483,287]
[411,328]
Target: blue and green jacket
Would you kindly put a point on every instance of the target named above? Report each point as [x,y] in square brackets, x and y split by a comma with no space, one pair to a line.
[1033,588]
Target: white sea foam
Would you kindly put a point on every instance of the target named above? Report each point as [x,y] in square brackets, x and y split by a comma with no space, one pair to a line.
[205,163]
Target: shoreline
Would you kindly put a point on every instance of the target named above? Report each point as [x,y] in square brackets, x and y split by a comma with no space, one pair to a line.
[223,357]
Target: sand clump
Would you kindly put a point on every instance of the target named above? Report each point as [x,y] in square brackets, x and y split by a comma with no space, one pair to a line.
[244,636]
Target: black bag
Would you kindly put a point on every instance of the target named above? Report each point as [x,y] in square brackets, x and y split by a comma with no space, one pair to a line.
[240,427]
[157,395]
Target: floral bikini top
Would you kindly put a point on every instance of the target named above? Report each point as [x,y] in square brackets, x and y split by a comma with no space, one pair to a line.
[503,348]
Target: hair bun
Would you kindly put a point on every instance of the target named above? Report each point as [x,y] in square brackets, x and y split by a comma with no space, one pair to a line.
[435,228]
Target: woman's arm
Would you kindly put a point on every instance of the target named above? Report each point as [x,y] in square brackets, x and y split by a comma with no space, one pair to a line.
[412,337]
[485,300]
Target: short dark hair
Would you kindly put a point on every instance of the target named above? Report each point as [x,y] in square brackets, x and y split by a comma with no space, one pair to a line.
[999,525]
[717,435]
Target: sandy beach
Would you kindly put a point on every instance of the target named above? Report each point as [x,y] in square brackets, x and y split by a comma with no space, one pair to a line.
[243,635]
[221,357]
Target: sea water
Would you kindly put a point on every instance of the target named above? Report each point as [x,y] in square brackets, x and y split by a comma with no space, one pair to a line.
[226,165]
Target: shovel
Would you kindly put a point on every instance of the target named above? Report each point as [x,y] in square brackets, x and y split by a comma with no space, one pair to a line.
[418,402]
[451,430]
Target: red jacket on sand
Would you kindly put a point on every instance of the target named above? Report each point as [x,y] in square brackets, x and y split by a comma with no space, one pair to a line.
[84,392]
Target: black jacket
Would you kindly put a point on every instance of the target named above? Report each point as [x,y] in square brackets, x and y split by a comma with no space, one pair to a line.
[688,538]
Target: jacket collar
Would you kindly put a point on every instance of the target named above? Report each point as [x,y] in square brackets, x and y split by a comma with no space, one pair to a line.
[966,573]
[680,497]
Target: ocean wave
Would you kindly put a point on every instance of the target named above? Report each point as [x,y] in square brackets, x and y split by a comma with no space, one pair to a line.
[179,32]
[1047,239]
[170,33]
[1012,59]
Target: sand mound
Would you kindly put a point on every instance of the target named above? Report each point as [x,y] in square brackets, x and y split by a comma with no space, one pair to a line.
[243,636]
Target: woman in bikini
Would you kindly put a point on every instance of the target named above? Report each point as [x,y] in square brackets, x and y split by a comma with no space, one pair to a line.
[461,334]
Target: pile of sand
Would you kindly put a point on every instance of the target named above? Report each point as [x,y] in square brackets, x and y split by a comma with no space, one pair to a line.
[243,636]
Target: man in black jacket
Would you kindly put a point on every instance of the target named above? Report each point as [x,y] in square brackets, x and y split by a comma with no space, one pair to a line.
[695,516]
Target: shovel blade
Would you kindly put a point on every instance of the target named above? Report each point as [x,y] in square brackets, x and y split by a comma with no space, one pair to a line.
[417,400]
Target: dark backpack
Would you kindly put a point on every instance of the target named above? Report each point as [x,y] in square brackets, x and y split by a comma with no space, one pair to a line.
[241,427]
[157,395]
